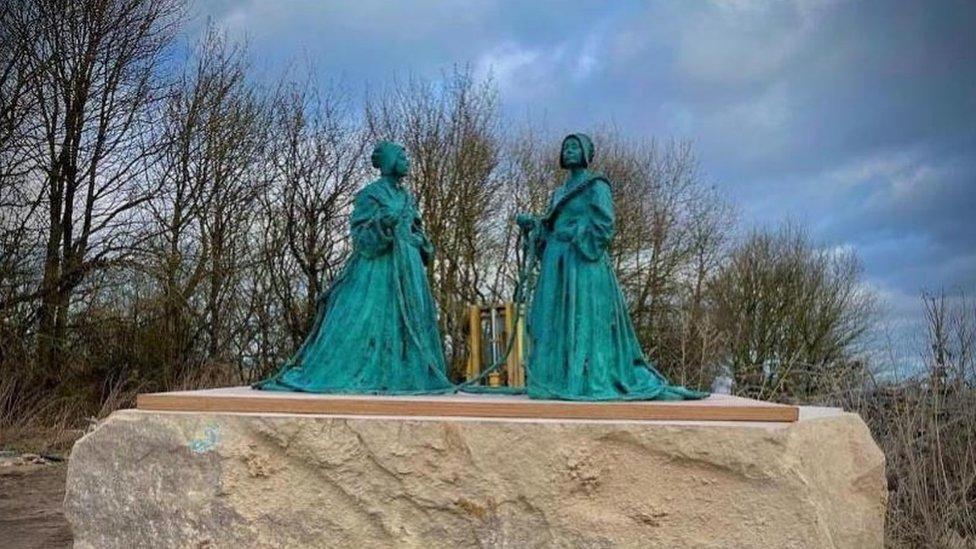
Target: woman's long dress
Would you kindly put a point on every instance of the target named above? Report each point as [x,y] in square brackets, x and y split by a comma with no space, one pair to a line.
[376,331]
[583,342]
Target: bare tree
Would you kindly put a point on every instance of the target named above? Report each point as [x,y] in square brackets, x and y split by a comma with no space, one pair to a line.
[791,315]
[207,211]
[16,98]
[951,327]
[316,160]
[94,70]
[197,128]
[19,199]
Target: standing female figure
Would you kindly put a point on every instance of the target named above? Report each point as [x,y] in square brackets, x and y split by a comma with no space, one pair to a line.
[376,328]
[583,345]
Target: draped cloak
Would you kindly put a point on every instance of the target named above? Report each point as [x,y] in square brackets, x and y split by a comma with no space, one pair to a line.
[583,344]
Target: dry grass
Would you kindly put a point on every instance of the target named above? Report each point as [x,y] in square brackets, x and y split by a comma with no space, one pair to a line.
[41,421]
[928,436]
[31,421]
[926,427]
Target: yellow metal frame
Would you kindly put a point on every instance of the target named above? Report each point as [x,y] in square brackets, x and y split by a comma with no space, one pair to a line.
[515,367]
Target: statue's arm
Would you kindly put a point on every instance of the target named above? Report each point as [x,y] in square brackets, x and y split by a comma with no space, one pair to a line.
[533,231]
[595,231]
[371,225]
[425,246]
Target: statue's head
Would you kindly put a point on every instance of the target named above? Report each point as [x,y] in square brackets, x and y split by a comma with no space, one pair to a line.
[576,151]
[391,159]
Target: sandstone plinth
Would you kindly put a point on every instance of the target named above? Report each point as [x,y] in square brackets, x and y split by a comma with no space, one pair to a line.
[181,479]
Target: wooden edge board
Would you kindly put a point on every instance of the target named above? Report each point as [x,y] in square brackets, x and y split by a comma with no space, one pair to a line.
[486,408]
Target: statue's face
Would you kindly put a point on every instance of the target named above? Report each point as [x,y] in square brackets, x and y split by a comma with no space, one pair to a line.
[402,163]
[391,160]
[572,153]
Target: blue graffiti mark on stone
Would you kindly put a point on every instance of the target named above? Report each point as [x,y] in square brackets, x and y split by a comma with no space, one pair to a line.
[209,441]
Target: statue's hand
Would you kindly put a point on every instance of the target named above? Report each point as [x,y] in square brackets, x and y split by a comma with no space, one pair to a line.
[426,251]
[389,220]
[527,222]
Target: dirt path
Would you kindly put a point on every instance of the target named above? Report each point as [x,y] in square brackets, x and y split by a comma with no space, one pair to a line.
[31,497]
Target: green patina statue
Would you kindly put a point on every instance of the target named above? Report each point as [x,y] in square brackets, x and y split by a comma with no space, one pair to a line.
[375,331]
[583,345]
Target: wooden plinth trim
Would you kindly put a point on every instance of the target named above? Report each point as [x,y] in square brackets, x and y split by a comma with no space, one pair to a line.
[244,399]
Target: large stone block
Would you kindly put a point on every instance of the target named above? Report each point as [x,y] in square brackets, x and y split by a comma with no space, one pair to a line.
[169,479]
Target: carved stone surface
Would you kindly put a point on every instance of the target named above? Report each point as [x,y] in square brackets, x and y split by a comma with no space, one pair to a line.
[210,480]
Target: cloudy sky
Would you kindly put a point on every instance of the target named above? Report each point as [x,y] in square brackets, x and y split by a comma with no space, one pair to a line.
[855,117]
